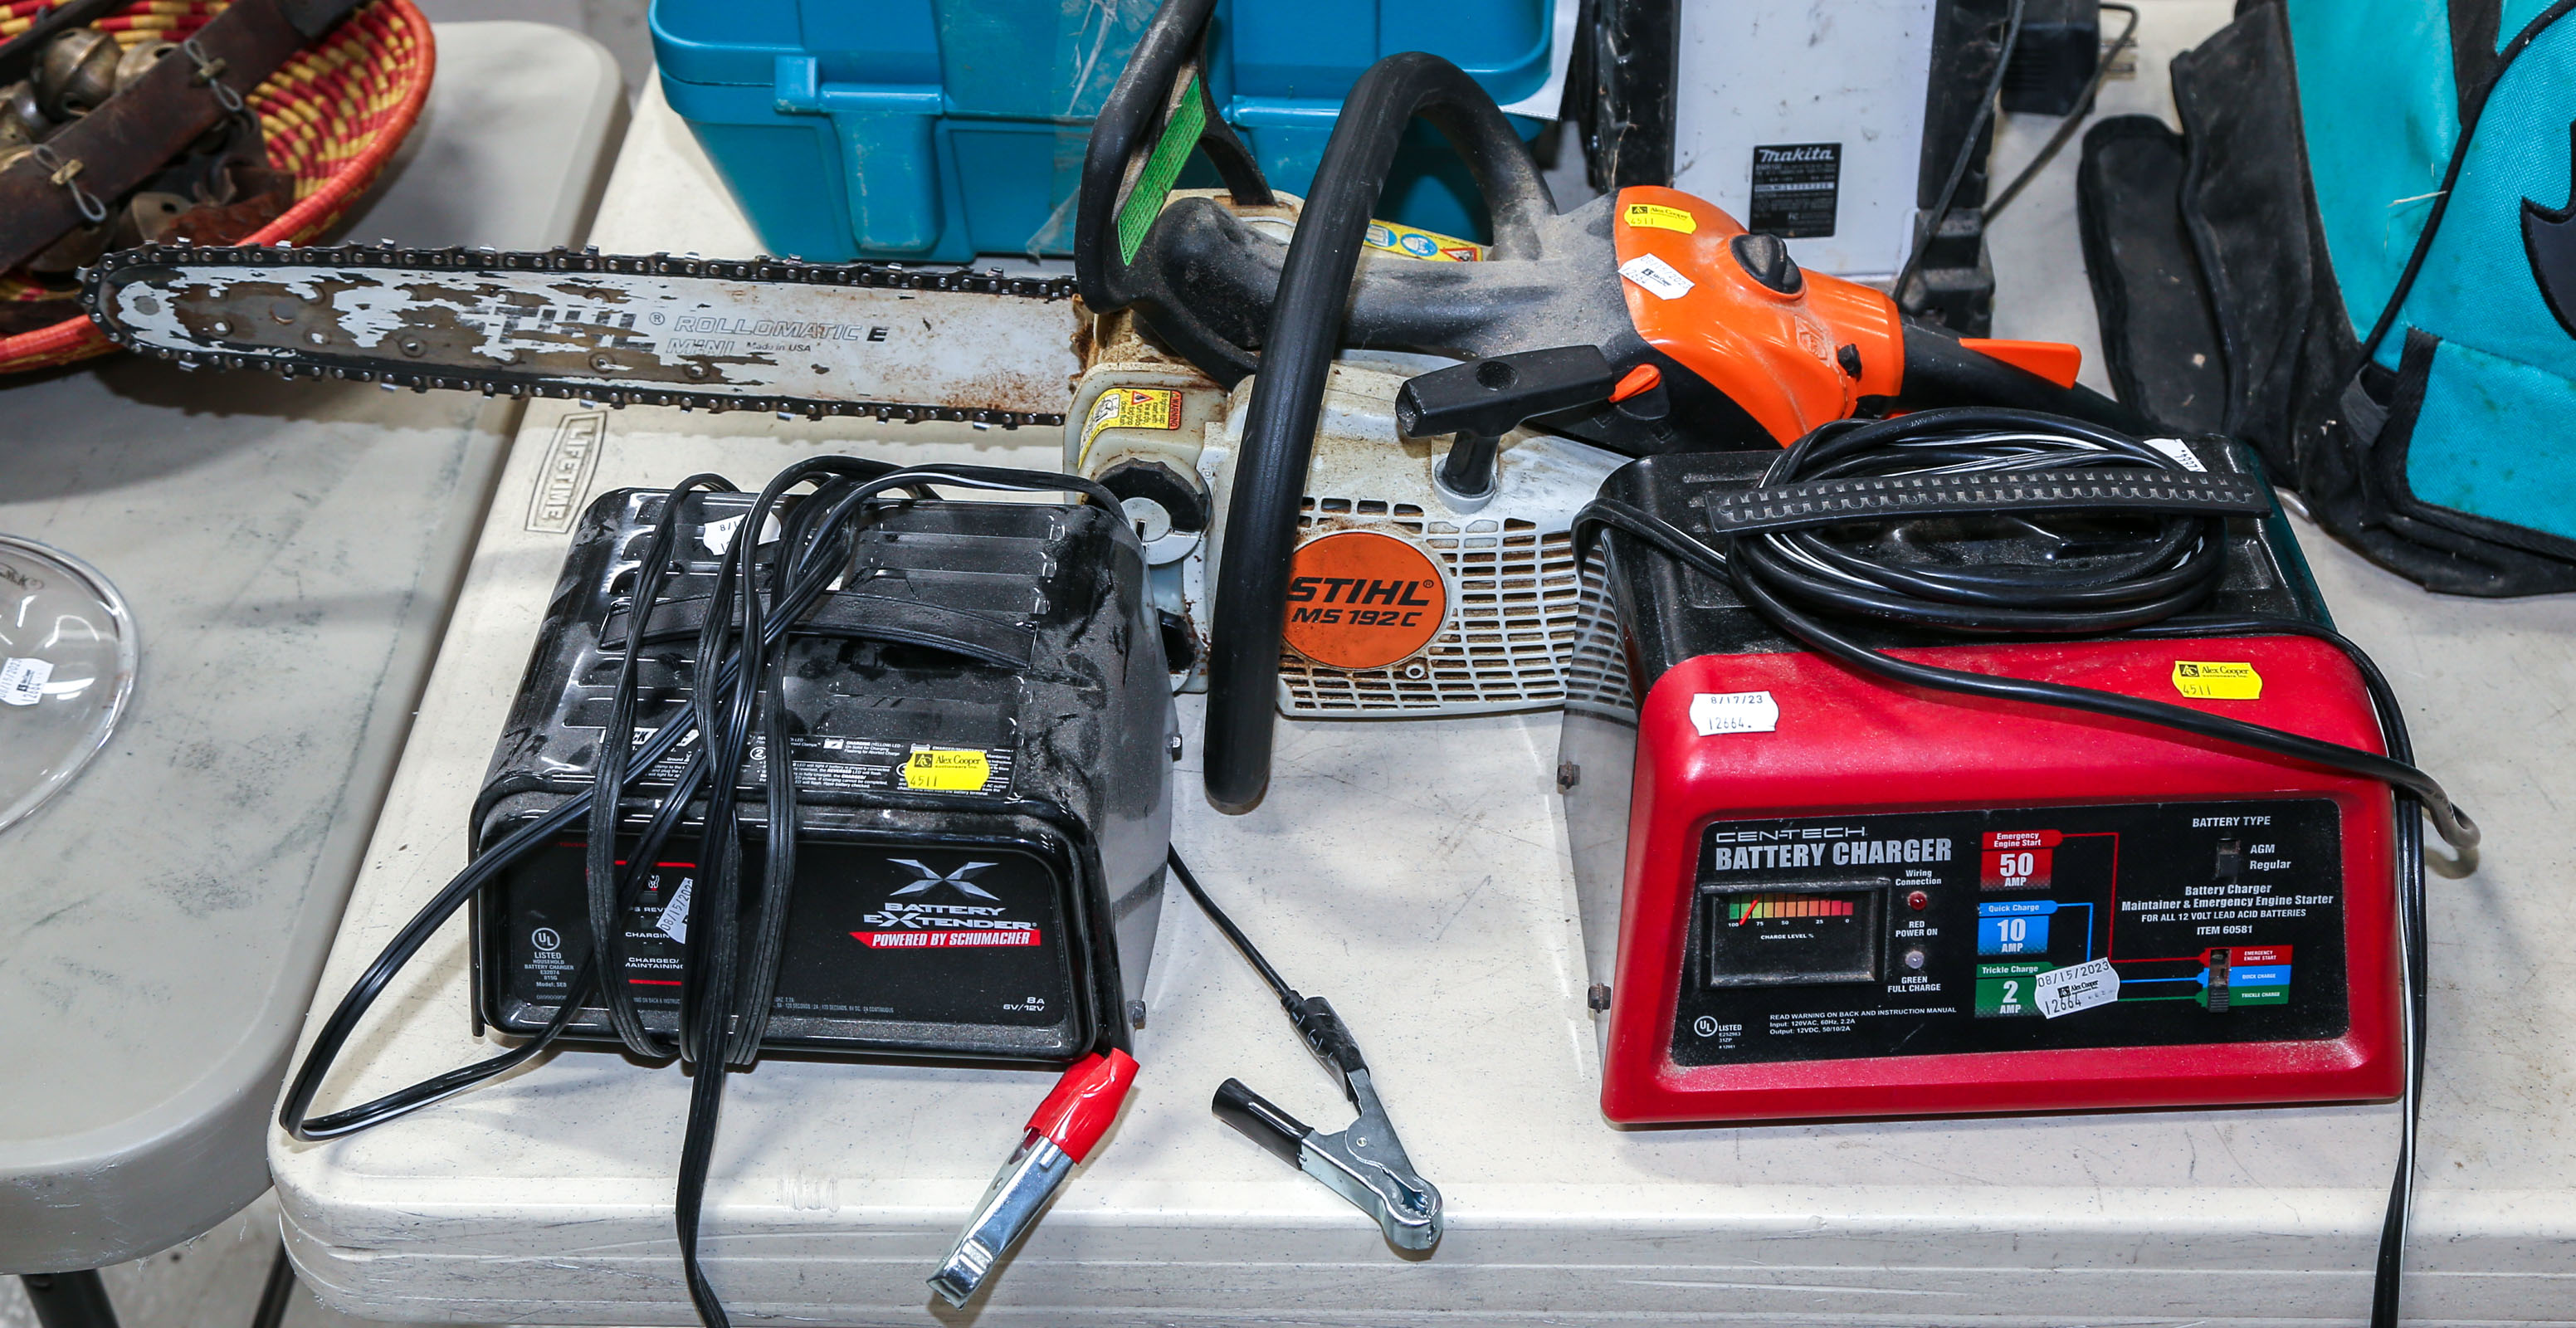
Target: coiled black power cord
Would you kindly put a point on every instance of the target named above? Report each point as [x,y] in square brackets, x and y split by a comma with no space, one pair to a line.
[2145,572]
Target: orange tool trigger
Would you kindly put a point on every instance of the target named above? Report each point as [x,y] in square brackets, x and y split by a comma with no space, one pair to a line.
[1643,378]
[2053,360]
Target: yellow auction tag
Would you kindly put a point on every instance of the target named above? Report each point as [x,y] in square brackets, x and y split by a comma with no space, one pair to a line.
[1130,408]
[1656,216]
[946,770]
[2205,681]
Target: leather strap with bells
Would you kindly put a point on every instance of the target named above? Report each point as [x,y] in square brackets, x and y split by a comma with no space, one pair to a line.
[81,171]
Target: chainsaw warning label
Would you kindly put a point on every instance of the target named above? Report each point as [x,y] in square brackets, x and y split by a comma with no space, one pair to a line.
[1796,189]
[1130,408]
[1429,246]
[1361,600]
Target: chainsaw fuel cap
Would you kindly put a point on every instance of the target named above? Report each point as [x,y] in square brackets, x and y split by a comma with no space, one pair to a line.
[67,659]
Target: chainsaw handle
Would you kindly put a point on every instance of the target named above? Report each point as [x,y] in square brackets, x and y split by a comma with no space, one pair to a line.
[1169,64]
[1297,352]
[1939,371]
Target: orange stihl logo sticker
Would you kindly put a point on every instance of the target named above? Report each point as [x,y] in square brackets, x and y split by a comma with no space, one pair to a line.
[1359,600]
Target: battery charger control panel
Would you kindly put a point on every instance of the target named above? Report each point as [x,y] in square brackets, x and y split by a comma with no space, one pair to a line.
[1923,933]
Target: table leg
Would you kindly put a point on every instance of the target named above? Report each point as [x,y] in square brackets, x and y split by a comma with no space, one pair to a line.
[69,1300]
[273,1298]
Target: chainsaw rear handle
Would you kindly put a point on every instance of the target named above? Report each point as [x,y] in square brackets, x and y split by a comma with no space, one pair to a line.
[1941,372]
[1297,351]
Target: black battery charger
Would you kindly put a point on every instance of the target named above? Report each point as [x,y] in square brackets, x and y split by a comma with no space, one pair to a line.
[842,768]
[979,722]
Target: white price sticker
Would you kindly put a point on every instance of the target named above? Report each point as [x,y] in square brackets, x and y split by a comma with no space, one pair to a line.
[22,681]
[1659,278]
[674,921]
[718,535]
[2181,452]
[2077,987]
[1713,713]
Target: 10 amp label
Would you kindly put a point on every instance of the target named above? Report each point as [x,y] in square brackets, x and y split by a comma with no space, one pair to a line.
[1926,933]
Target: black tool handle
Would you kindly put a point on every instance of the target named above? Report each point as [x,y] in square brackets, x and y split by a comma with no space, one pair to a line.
[1260,1120]
[1147,95]
[1297,352]
[1941,372]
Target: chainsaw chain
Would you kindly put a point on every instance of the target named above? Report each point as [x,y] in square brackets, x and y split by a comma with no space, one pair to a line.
[454,259]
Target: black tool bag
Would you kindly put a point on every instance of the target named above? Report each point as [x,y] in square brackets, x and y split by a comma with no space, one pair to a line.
[2346,257]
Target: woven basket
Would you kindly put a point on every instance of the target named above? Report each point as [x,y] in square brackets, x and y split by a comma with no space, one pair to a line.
[333,113]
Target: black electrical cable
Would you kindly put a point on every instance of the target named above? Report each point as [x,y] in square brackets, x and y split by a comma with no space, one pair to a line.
[747,618]
[1967,157]
[1287,995]
[2138,591]
[1781,575]
[2073,119]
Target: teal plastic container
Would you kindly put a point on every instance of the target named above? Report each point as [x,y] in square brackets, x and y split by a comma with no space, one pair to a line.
[936,130]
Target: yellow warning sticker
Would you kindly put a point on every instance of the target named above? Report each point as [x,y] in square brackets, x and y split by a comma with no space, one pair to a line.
[1429,246]
[1656,216]
[1130,408]
[946,770]
[2205,681]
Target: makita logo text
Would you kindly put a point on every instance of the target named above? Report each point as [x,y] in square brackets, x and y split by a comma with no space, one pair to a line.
[1777,156]
[1839,853]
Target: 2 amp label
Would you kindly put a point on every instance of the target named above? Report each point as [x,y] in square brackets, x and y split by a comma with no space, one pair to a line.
[1917,934]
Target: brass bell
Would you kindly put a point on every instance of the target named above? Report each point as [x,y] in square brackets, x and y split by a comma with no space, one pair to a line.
[21,119]
[149,216]
[138,61]
[77,72]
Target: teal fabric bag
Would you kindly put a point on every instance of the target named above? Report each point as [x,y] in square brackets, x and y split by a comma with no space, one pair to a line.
[2388,261]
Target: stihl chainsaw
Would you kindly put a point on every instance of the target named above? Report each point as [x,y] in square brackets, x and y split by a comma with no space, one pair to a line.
[1748,350]
[1715,338]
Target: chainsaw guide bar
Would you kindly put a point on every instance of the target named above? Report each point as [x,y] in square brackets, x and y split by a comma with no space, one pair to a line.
[766,334]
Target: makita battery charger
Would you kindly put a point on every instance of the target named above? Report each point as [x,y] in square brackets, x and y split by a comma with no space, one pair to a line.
[1819,882]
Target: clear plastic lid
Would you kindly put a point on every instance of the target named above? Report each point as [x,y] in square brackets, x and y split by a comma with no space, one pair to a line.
[67,653]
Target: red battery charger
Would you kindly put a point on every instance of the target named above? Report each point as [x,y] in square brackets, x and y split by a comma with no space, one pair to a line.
[1813,892]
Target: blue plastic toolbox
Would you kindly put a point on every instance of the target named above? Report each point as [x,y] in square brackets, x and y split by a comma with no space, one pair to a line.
[936,130]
